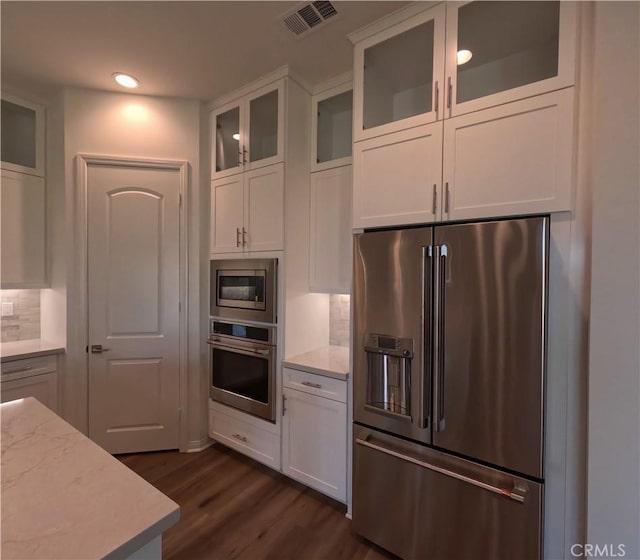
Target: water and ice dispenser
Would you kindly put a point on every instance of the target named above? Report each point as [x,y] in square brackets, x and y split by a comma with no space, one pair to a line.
[389,374]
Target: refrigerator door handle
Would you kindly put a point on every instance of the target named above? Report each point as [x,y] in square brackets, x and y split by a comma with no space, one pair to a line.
[424,414]
[517,494]
[441,253]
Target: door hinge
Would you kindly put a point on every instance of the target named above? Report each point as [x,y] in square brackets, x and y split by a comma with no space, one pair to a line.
[180,200]
[284,402]
[179,307]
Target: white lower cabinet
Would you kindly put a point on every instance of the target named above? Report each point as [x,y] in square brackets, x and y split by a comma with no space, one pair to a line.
[32,377]
[314,434]
[245,437]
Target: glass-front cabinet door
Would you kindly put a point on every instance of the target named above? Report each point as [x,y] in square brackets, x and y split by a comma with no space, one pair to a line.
[249,132]
[398,76]
[264,142]
[331,127]
[226,140]
[503,51]
[22,139]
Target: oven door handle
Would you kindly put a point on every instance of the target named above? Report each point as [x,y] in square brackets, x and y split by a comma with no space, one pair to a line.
[238,350]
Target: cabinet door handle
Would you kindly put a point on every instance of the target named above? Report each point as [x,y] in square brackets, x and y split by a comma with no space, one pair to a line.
[435,199]
[244,237]
[449,94]
[446,198]
[237,237]
[314,385]
[437,99]
[241,438]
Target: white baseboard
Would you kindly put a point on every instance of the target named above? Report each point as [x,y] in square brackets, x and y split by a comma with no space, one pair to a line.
[199,445]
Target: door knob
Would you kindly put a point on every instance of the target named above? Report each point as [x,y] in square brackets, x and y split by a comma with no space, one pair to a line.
[98,349]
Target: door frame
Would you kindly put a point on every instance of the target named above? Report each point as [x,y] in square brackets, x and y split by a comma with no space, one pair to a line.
[81,225]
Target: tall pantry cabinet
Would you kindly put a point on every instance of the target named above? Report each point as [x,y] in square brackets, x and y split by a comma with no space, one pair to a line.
[464,110]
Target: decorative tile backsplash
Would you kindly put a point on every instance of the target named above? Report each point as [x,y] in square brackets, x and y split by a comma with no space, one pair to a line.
[24,323]
[339,320]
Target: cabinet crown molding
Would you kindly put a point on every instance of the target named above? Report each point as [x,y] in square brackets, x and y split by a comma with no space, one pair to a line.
[278,74]
[392,19]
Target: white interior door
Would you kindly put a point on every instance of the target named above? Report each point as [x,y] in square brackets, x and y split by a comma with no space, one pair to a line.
[133,300]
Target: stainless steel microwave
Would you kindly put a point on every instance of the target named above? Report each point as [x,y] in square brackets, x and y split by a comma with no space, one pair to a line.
[244,289]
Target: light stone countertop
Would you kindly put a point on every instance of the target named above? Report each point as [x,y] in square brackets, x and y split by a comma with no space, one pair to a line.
[28,349]
[330,361]
[65,497]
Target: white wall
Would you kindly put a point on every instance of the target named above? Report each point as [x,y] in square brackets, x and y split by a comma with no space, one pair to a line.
[613,485]
[105,123]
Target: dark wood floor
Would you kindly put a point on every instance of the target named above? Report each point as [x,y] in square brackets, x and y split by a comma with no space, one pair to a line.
[233,507]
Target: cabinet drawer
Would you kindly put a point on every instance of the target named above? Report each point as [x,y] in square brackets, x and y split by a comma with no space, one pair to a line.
[314,384]
[250,440]
[43,387]
[18,369]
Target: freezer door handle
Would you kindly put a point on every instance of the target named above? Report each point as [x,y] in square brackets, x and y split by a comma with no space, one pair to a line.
[517,494]
[424,413]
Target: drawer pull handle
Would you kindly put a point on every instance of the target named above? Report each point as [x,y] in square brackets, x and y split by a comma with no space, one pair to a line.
[16,370]
[241,438]
[314,385]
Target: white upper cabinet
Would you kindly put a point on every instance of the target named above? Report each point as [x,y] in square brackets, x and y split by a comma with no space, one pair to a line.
[23,231]
[247,211]
[397,177]
[331,127]
[516,50]
[477,125]
[330,234]
[248,133]
[22,140]
[511,159]
[398,76]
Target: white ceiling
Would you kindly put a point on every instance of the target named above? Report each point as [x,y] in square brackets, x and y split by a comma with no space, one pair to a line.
[180,49]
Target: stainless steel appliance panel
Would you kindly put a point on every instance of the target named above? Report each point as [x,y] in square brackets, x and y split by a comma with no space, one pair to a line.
[242,370]
[244,289]
[392,283]
[490,303]
[420,503]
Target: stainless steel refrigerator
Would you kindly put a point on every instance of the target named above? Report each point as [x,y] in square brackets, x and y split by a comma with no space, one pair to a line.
[449,359]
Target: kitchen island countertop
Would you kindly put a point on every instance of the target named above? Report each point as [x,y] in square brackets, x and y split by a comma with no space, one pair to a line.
[63,496]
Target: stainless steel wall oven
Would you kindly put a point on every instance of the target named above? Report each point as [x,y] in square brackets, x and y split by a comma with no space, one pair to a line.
[243,366]
[244,289]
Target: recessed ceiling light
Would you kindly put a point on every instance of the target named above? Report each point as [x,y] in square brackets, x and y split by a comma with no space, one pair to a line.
[236,136]
[464,56]
[125,80]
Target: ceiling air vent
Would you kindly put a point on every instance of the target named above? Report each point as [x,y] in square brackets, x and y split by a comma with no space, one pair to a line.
[308,17]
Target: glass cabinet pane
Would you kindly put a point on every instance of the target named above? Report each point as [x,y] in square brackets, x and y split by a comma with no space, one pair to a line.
[511,44]
[335,127]
[227,139]
[18,134]
[263,126]
[398,77]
